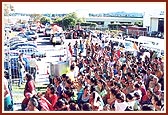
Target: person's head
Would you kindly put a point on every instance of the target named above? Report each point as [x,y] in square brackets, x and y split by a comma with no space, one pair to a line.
[68,83]
[157,87]
[64,77]
[33,55]
[101,83]
[20,55]
[155,80]
[129,97]
[57,80]
[138,78]
[113,91]
[129,76]
[156,101]
[68,93]
[86,89]
[123,79]
[51,89]
[32,104]
[137,86]
[86,107]
[116,77]
[60,104]
[92,88]
[161,95]
[28,77]
[149,92]
[117,86]
[72,67]
[149,71]
[147,107]
[73,107]
[137,96]
[120,97]
[87,78]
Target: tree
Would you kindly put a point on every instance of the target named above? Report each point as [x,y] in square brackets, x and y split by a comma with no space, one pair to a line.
[139,23]
[68,22]
[45,20]
[58,21]
[35,17]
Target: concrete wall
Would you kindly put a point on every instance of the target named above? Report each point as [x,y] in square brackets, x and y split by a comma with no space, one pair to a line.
[154,24]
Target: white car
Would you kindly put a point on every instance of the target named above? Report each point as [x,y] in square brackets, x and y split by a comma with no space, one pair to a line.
[32,34]
[59,38]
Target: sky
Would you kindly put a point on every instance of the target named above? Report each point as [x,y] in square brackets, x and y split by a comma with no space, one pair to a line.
[85,7]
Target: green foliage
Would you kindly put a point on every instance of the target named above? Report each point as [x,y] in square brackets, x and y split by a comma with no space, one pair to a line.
[139,23]
[45,20]
[58,21]
[70,20]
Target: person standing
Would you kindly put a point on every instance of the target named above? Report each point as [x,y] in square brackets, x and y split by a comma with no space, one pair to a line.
[29,90]
[21,68]
[70,48]
[81,46]
[8,106]
[75,50]
[33,66]
[53,40]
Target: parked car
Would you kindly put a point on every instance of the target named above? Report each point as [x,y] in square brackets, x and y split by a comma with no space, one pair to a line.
[22,45]
[59,37]
[18,27]
[32,34]
[31,50]
[24,36]
[33,27]
[16,42]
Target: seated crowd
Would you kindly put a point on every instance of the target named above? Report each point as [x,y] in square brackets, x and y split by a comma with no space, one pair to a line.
[103,80]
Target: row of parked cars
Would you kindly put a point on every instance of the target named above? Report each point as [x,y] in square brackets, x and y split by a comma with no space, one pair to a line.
[20,44]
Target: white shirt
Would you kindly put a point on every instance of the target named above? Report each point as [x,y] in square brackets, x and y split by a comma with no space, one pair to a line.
[33,62]
[120,106]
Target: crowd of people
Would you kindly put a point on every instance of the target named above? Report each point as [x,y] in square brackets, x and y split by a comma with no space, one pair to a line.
[105,79]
